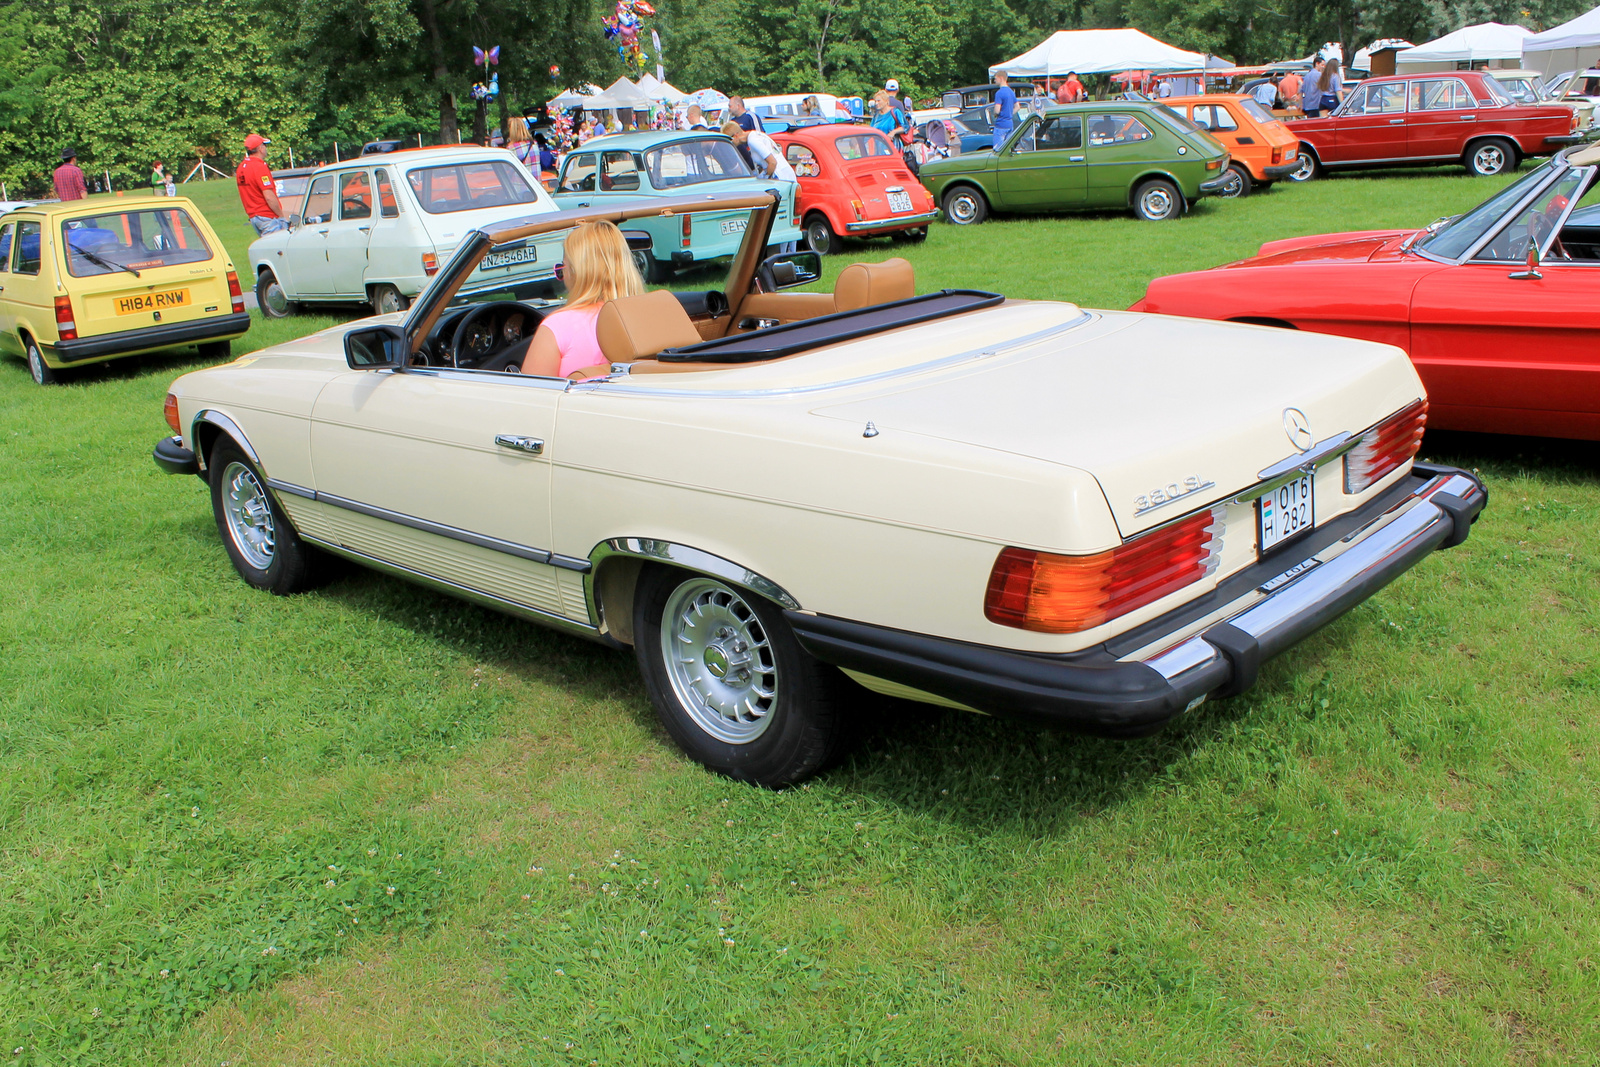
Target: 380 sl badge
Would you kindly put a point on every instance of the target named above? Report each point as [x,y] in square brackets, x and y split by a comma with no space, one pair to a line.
[1165,495]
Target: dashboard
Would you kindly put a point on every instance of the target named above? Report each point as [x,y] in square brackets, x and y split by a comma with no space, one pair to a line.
[480,336]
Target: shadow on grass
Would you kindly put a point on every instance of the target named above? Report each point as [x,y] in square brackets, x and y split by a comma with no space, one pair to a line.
[1507,456]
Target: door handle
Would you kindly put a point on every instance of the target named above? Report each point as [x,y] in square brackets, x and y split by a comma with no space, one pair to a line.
[323,232]
[531,445]
[364,229]
[1395,122]
[1074,159]
[1468,118]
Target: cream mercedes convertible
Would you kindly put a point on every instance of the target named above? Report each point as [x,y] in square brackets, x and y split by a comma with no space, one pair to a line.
[1091,519]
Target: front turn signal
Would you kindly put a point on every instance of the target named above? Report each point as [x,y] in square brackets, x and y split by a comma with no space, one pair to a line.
[170,410]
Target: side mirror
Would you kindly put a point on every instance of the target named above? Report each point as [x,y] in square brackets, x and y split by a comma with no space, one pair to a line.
[788,269]
[375,347]
[638,240]
[1532,274]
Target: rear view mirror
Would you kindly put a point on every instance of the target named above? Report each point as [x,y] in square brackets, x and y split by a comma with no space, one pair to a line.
[375,347]
[788,269]
[638,240]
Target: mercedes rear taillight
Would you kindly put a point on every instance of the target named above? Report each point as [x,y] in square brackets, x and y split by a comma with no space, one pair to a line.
[1385,447]
[1065,594]
[235,292]
[66,323]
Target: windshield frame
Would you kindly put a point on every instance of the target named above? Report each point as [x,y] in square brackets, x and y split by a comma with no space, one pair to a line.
[1495,210]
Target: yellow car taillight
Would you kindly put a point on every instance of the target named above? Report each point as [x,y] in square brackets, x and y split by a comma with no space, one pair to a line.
[1056,594]
[1385,447]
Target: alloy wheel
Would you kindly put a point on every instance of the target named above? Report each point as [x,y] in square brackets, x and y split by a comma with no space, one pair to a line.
[249,515]
[720,660]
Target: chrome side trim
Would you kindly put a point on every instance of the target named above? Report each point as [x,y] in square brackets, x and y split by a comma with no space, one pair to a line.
[290,488]
[477,596]
[454,533]
[629,389]
[692,559]
[227,426]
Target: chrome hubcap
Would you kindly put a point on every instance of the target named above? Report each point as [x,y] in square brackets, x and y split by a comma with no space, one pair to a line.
[1305,170]
[1490,160]
[275,299]
[35,364]
[1157,203]
[962,209]
[249,515]
[1235,184]
[388,301]
[819,237]
[719,660]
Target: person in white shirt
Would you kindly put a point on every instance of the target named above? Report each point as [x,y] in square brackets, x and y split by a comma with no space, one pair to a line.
[1266,94]
[764,152]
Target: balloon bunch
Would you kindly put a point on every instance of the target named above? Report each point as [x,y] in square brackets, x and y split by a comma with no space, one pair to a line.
[624,27]
[488,59]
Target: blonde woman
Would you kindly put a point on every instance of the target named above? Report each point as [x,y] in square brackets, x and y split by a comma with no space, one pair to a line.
[521,140]
[598,267]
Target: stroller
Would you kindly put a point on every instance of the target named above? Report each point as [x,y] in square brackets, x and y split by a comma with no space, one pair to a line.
[935,139]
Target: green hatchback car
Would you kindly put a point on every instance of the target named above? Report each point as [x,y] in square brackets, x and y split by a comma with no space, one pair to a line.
[1111,153]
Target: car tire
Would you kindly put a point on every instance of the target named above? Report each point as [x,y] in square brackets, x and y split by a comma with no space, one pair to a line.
[1489,157]
[1310,166]
[1157,200]
[261,542]
[965,206]
[42,372]
[773,716]
[820,237]
[1239,183]
[650,268]
[219,351]
[271,299]
[386,300]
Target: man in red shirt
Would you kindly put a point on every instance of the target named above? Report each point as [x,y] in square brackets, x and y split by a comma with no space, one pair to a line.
[69,179]
[1073,89]
[257,191]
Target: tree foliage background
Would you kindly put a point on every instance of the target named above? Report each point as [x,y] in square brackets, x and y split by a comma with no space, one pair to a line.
[131,81]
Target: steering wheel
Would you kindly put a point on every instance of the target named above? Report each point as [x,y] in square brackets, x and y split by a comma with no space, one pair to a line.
[490,360]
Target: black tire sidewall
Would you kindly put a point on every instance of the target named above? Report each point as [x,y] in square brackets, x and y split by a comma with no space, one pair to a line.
[290,567]
[1507,154]
[379,292]
[40,371]
[830,240]
[1172,191]
[1244,180]
[1309,172]
[805,721]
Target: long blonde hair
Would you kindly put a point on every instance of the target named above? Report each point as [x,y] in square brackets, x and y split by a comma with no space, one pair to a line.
[598,265]
[519,129]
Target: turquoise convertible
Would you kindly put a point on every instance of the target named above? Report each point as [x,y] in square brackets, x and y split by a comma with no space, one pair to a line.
[627,167]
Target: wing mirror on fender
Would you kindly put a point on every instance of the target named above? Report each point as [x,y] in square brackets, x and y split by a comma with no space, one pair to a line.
[788,269]
[1532,273]
[375,347]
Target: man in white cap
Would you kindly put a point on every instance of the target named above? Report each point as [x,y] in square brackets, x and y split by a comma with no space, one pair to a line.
[892,87]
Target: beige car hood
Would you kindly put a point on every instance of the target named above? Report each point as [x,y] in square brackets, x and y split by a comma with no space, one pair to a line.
[1145,401]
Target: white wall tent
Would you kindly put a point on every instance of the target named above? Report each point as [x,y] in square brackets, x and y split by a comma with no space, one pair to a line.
[1097,52]
[1572,45]
[1498,45]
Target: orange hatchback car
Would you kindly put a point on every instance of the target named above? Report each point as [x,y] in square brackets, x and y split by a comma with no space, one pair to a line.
[1262,148]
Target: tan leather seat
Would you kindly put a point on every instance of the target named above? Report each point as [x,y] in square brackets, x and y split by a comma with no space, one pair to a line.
[864,284]
[637,327]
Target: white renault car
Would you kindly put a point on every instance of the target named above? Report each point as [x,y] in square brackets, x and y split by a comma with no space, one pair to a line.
[374,230]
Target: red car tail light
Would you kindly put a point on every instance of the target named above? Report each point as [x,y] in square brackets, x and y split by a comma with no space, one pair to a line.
[170,410]
[688,228]
[1277,156]
[430,264]
[855,205]
[66,324]
[1065,594]
[235,292]
[1385,447]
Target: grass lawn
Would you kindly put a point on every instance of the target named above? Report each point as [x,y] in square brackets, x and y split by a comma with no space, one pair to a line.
[375,825]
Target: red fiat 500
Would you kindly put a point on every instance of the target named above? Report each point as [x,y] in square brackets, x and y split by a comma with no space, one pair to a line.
[854,182]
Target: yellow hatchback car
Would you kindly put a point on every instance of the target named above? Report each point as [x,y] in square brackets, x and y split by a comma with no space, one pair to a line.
[90,280]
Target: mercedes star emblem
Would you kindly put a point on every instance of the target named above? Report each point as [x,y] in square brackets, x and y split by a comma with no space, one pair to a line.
[1298,427]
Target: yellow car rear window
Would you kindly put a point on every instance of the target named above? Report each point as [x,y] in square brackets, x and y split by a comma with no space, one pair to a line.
[131,240]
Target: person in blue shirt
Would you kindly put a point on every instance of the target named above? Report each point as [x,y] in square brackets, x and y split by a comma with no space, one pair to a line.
[1005,109]
[889,120]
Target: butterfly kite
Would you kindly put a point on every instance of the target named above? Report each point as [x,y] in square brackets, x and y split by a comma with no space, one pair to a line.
[480,58]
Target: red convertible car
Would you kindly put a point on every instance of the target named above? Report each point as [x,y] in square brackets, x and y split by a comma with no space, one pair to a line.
[1499,307]
[854,182]
[1459,116]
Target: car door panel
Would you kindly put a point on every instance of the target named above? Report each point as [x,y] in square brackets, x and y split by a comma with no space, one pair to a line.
[1484,341]
[1443,116]
[1374,125]
[1046,167]
[347,236]
[471,512]
[8,318]
[305,254]
[1120,148]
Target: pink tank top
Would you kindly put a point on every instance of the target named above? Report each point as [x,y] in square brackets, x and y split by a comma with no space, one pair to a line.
[574,330]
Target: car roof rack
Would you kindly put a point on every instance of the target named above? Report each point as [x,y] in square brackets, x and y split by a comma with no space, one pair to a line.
[777,341]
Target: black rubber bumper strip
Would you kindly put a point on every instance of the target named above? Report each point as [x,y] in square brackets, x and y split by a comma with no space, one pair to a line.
[147,338]
[172,457]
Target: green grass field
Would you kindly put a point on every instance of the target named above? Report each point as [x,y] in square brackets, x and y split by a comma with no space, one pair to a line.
[371,825]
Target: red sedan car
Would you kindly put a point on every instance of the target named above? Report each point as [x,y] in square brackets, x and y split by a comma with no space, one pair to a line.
[853,182]
[1499,308]
[1459,116]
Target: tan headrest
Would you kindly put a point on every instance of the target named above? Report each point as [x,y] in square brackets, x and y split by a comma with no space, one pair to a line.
[638,326]
[864,284]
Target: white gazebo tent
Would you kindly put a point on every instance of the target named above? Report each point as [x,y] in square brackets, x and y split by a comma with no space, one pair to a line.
[1572,45]
[1489,43]
[660,91]
[574,97]
[624,95]
[1097,52]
